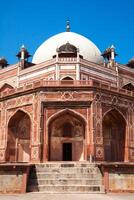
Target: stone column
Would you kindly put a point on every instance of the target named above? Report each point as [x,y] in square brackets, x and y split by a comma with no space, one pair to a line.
[35,136]
[97,129]
[3,136]
[45,146]
[88,135]
[57,68]
[129,144]
[78,68]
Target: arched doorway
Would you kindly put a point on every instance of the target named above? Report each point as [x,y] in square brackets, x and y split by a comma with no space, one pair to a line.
[114,131]
[18,140]
[66,138]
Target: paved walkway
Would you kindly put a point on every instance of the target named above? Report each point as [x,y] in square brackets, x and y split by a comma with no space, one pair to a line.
[42,196]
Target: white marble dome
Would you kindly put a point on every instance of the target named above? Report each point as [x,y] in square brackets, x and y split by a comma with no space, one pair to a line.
[87,49]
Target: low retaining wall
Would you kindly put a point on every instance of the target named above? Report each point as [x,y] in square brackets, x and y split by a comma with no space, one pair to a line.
[118,177]
[13,178]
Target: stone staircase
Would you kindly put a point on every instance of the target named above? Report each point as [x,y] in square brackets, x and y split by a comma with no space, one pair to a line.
[66,177]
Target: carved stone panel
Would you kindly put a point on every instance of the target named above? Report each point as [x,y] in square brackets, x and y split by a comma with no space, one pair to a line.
[35,153]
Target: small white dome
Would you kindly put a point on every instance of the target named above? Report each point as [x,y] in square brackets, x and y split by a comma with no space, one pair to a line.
[87,49]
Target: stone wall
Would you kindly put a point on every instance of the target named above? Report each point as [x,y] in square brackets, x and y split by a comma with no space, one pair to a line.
[121,181]
[13,178]
[118,177]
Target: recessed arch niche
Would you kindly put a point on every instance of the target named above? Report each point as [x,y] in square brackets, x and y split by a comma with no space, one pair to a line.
[66,135]
[114,133]
[18,139]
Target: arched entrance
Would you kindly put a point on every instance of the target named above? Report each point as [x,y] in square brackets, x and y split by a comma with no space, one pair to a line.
[66,138]
[18,141]
[114,131]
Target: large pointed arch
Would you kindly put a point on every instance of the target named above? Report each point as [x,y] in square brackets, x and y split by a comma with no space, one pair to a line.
[114,134]
[20,110]
[69,111]
[6,87]
[18,139]
[66,135]
[117,111]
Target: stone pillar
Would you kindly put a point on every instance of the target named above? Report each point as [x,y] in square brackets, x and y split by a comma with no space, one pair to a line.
[77,71]
[129,144]
[106,179]
[97,129]
[88,135]
[57,67]
[35,136]
[78,68]
[3,135]
[45,146]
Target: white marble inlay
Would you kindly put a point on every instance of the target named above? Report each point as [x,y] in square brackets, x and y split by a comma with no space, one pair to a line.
[66,67]
[37,73]
[101,74]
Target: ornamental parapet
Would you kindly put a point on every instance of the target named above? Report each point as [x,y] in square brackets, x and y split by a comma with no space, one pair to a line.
[77,84]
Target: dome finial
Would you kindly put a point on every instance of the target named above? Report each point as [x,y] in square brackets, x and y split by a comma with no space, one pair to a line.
[68,26]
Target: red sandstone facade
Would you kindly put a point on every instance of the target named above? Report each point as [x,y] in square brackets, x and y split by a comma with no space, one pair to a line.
[35,115]
[67,109]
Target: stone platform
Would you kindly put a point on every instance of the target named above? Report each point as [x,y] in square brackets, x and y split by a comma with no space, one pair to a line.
[118,176]
[13,177]
[44,196]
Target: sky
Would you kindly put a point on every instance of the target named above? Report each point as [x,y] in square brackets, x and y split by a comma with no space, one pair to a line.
[31,22]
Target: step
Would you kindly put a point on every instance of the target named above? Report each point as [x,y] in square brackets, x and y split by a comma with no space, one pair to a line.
[69,170]
[66,164]
[65,182]
[65,188]
[64,175]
